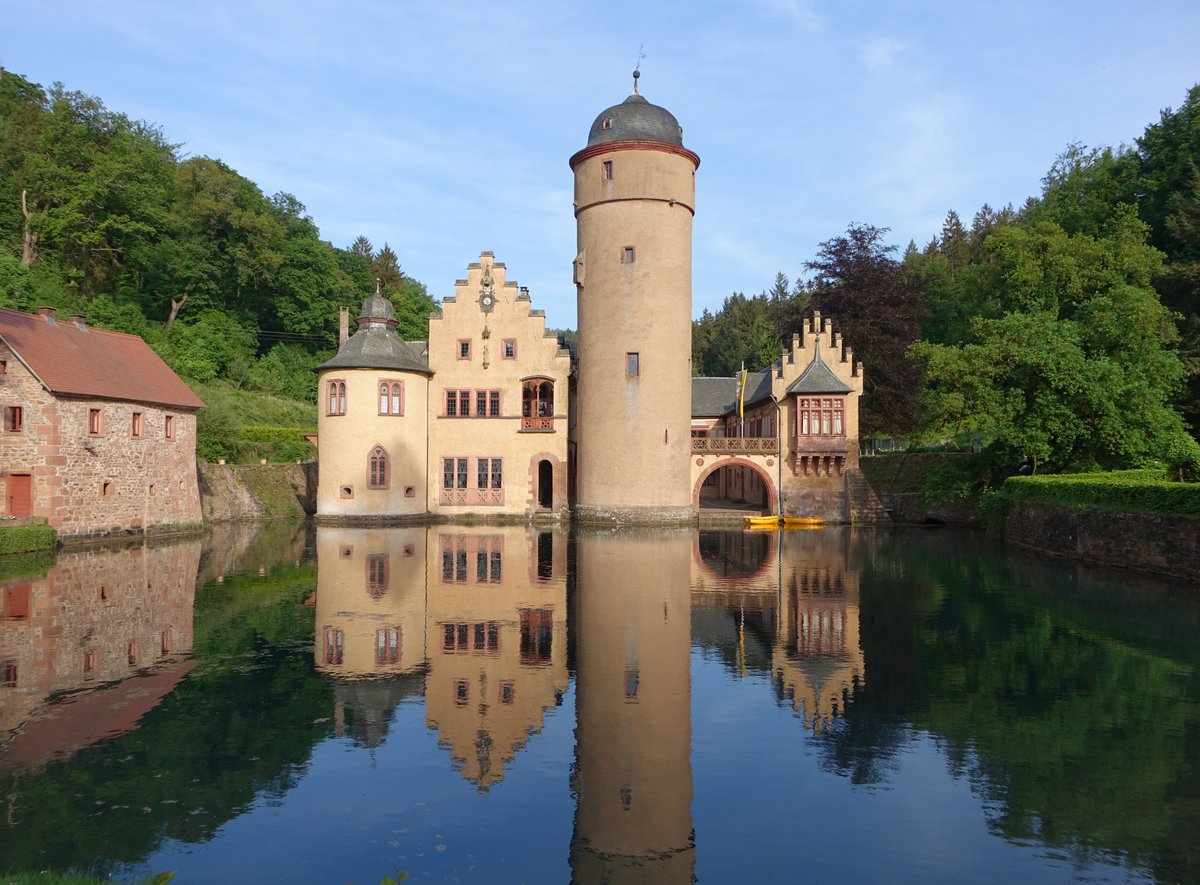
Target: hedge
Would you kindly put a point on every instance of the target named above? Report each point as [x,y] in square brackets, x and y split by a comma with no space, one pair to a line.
[1129,490]
[27,539]
[279,445]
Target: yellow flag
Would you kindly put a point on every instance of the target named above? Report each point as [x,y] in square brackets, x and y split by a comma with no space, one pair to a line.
[742,394]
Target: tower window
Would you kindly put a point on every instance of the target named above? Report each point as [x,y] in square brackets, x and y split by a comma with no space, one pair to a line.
[337,398]
[607,124]
[627,255]
[606,170]
[377,472]
[633,366]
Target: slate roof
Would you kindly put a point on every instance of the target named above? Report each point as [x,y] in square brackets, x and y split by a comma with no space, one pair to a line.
[819,378]
[376,345]
[712,397]
[635,119]
[78,360]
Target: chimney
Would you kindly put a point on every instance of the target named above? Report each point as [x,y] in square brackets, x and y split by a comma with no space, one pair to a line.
[47,313]
[343,326]
[79,320]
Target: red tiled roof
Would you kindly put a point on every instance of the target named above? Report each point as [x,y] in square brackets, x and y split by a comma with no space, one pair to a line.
[93,362]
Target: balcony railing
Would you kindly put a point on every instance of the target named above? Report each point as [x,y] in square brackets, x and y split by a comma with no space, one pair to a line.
[537,424]
[725,445]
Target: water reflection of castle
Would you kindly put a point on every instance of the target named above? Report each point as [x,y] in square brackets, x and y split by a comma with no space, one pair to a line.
[797,595]
[475,618]
[95,618]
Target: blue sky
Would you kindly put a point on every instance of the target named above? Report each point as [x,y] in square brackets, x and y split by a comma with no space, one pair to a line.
[445,128]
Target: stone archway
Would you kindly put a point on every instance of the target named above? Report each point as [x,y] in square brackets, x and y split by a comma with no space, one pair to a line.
[757,493]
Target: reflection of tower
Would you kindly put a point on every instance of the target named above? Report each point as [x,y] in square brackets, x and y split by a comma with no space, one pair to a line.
[633,778]
[497,628]
[819,663]
[634,201]
[370,623]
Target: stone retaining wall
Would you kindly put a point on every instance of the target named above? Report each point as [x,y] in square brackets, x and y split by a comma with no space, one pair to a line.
[1149,542]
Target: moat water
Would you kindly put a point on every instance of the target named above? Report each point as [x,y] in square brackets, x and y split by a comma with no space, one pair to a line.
[501,704]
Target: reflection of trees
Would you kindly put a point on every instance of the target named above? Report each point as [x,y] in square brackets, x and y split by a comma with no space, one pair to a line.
[1079,733]
[242,725]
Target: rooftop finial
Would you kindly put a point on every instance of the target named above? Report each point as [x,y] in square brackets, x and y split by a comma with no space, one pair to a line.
[637,69]
[378,286]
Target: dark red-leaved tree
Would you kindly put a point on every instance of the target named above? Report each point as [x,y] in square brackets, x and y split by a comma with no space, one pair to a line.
[878,307]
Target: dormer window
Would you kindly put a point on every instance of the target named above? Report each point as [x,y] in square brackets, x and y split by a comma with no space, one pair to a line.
[606,123]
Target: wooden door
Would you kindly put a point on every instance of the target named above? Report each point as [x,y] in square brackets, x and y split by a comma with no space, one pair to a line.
[20,494]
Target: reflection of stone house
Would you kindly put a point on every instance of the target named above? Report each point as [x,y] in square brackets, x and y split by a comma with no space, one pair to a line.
[96,617]
[99,435]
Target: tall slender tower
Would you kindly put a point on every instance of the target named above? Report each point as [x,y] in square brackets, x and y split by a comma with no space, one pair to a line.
[635,186]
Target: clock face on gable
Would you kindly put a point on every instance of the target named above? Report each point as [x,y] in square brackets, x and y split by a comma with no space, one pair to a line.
[487,293]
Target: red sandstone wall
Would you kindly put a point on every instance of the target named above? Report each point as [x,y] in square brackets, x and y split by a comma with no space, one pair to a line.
[150,480]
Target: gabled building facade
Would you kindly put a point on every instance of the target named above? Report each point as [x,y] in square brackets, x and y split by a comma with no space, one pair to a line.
[472,422]
[99,435]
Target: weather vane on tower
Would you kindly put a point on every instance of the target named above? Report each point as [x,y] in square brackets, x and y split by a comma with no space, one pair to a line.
[637,68]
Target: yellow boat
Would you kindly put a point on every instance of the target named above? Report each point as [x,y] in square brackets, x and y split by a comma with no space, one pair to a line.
[762,522]
[803,522]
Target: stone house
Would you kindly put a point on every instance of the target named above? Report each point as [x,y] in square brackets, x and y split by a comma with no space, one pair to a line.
[98,435]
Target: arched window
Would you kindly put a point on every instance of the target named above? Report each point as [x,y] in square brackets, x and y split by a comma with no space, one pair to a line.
[391,398]
[337,398]
[377,474]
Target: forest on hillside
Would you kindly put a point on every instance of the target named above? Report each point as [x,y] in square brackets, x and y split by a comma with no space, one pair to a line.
[1065,333]
[103,216]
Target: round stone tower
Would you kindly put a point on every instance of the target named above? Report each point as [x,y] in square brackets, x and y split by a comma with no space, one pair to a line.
[635,187]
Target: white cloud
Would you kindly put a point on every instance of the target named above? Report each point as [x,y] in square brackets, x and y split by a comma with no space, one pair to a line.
[881,53]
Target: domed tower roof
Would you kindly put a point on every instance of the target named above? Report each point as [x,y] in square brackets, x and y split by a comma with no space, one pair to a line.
[376,345]
[377,309]
[636,119]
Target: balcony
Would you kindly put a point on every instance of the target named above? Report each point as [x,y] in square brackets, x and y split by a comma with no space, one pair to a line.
[537,425]
[730,445]
[821,445]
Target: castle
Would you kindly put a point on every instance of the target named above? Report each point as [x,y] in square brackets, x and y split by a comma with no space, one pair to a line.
[490,417]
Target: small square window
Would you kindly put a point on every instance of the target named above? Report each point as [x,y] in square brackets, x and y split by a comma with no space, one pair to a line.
[627,255]
[95,422]
[510,348]
[135,428]
[464,349]
[3,367]
[13,418]
[606,170]
[607,123]
[632,364]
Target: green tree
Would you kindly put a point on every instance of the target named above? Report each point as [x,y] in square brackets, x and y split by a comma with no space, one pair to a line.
[1079,370]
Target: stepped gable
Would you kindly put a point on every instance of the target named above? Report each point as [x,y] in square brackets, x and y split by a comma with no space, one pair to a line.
[73,359]
[818,377]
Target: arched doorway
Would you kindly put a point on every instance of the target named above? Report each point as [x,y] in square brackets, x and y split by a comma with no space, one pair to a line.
[545,484]
[736,485]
